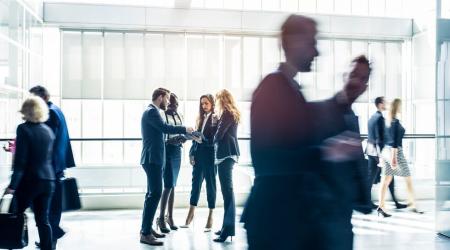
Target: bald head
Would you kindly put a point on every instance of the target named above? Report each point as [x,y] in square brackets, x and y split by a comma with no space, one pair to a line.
[298,39]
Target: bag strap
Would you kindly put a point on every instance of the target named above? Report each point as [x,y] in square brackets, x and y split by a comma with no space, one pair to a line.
[1,201]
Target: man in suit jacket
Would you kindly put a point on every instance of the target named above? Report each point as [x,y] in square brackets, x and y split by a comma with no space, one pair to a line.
[62,157]
[376,140]
[288,204]
[153,158]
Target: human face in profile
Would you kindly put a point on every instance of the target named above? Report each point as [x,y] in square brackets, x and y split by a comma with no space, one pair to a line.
[301,48]
[164,102]
[206,105]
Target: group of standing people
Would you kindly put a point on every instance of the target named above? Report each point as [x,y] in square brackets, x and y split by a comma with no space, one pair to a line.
[214,150]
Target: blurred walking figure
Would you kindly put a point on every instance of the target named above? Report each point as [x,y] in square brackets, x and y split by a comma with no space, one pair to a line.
[62,158]
[172,167]
[292,144]
[375,143]
[226,155]
[394,160]
[202,159]
[33,178]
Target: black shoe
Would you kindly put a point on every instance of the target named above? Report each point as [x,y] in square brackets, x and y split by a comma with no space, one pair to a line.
[399,205]
[374,206]
[38,244]
[218,232]
[380,211]
[158,235]
[171,224]
[160,222]
[415,210]
[222,238]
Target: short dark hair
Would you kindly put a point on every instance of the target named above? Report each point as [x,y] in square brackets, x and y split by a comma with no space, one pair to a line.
[379,100]
[159,92]
[296,25]
[40,91]
[363,60]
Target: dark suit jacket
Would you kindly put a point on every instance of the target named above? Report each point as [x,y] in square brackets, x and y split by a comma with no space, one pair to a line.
[376,130]
[287,133]
[33,157]
[153,129]
[286,130]
[208,133]
[62,157]
[225,139]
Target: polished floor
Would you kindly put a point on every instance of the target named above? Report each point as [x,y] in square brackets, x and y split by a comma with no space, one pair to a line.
[119,229]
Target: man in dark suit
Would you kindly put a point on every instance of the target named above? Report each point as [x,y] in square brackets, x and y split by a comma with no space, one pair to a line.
[288,207]
[153,158]
[375,143]
[62,157]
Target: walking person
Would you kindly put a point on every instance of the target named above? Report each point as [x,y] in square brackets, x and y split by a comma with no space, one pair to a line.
[376,141]
[62,158]
[33,178]
[394,162]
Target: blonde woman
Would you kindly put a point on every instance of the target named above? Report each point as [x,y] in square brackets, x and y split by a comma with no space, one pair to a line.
[33,178]
[226,155]
[394,160]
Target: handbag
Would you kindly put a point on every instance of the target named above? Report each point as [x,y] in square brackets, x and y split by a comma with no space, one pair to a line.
[70,196]
[13,230]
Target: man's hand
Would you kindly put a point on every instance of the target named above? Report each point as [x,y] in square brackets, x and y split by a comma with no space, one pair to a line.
[192,161]
[356,83]
[189,130]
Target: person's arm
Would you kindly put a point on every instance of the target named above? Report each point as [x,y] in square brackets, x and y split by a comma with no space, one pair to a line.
[20,158]
[53,122]
[379,133]
[224,124]
[154,119]
[395,142]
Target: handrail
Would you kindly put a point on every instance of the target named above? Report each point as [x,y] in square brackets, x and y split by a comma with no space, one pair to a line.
[363,136]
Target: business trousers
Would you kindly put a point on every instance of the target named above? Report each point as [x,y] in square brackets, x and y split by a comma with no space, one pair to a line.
[56,210]
[37,193]
[296,212]
[152,197]
[204,169]
[225,170]
[374,172]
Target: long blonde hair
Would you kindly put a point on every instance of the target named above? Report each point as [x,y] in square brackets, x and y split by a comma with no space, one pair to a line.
[225,101]
[395,109]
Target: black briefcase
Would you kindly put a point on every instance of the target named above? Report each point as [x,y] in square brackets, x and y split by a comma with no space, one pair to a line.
[13,230]
[70,196]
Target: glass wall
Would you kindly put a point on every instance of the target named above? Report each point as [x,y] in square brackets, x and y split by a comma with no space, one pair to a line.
[20,65]
[108,79]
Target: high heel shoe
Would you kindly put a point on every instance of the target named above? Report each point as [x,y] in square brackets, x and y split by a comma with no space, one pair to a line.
[171,223]
[161,224]
[415,210]
[380,211]
[218,232]
[222,239]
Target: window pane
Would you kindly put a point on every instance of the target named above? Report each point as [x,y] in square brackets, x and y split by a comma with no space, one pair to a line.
[252,61]
[360,7]
[132,118]
[307,6]
[252,4]
[394,8]
[72,65]
[324,70]
[271,4]
[114,72]
[214,64]
[113,119]
[270,55]
[377,7]
[325,6]
[134,66]
[394,70]
[289,5]
[232,4]
[232,54]
[342,58]
[174,53]
[92,118]
[92,64]
[154,63]
[377,80]
[213,3]
[195,66]
[113,153]
[343,6]
[72,112]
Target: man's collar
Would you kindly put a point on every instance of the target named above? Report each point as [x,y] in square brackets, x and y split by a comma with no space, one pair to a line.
[288,70]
